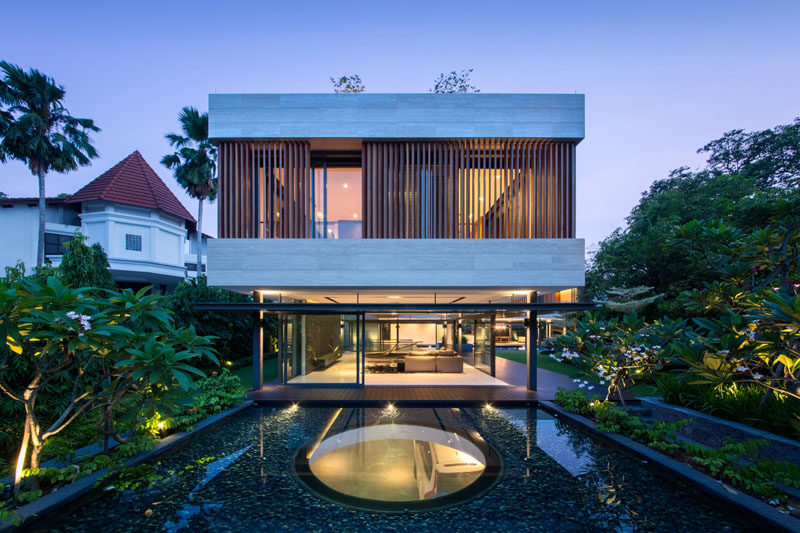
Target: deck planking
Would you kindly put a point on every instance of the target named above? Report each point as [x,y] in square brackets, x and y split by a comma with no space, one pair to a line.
[280,395]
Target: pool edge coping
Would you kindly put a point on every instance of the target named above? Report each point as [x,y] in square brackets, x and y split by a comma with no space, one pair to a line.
[52,502]
[748,505]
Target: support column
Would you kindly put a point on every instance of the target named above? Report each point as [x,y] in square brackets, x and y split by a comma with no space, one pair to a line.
[258,344]
[492,354]
[531,347]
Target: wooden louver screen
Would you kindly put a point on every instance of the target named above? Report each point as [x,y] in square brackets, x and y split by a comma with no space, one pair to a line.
[469,189]
[265,189]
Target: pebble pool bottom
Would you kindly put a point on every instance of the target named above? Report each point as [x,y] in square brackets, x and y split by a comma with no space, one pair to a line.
[242,475]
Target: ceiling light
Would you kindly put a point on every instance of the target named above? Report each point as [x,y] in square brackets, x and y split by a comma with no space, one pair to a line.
[345,185]
[394,297]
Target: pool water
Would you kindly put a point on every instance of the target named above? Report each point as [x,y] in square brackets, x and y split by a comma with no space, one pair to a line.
[395,469]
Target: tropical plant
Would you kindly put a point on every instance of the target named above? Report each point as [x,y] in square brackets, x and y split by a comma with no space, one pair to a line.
[619,352]
[629,299]
[37,129]
[85,266]
[348,84]
[90,346]
[454,82]
[194,165]
[228,328]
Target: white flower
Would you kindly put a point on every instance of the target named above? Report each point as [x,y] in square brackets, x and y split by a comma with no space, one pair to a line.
[724,351]
[756,375]
[590,387]
[576,380]
[752,335]
[581,385]
[741,368]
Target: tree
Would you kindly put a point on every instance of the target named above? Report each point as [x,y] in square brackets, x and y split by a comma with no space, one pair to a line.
[348,84]
[771,156]
[38,130]
[642,253]
[85,266]
[227,327]
[95,349]
[454,82]
[194,165]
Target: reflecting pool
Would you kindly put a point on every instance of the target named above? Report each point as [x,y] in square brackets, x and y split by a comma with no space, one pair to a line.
[353,469]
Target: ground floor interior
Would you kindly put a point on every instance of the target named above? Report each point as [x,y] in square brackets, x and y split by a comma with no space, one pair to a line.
[394,346]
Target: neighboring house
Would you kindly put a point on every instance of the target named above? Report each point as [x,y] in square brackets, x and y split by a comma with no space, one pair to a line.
[137,220]
[385,228]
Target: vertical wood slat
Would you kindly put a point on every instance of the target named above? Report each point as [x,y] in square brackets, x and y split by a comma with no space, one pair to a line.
[410,189]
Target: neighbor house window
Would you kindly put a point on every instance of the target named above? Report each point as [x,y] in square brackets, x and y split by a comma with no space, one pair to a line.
[133,242]
[54,243]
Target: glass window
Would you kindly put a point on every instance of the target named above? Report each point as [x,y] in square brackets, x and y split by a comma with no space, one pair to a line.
[54,243]
[133,242]
[343,209]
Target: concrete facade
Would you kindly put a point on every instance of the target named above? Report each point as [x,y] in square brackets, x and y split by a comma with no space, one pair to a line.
[500,264]
[389,116]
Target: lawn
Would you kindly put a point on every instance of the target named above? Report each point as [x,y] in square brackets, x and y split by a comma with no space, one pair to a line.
[543,361]
[245,373]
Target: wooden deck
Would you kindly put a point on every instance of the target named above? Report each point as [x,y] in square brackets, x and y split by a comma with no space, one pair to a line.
[281,395]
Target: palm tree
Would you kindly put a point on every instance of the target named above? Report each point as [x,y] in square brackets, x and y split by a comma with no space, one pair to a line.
[194,165]
[36,128]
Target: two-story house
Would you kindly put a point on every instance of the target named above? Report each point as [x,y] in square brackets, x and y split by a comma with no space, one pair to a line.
[384,230]
[129,210]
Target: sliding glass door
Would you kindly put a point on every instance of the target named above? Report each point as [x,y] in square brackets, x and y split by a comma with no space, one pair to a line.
[321,349]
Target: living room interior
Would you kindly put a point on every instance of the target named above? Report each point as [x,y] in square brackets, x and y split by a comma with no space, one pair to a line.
[398,350]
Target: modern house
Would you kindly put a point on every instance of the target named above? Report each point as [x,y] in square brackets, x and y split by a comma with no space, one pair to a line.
[129,210]
[384,230]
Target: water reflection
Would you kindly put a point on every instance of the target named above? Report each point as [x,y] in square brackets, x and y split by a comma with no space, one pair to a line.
[395,465]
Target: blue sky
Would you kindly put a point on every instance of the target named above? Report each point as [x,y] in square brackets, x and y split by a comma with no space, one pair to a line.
[660,78]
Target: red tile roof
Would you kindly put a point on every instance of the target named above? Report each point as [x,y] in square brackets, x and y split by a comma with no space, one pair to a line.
[133,182]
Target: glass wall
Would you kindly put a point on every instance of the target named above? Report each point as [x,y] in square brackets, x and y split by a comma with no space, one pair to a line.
[320,349]
[337,194]
[482,347]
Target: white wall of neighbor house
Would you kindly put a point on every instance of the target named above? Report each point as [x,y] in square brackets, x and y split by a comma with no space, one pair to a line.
[134,236]
[252,264]
[20,235]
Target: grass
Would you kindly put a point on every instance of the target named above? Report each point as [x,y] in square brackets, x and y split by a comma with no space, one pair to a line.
[543,361]
[245,373]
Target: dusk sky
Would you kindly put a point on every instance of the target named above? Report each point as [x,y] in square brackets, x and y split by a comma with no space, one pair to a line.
[660,78]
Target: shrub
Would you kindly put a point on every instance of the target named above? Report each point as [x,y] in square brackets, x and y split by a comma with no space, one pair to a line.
[233,330]
[740,402]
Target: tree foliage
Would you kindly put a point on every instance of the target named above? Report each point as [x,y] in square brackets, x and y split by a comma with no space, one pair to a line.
[348,84]
[739,188]
[95,350]
[454,82]
[36,129]
[194,164]
[85,266]
[233,331]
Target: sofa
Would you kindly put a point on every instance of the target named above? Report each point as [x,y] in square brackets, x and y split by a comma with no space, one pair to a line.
[420,363]
[442,360]
[449,363]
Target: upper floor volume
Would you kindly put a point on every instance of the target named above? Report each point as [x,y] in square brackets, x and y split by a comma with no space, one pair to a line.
[397,166]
